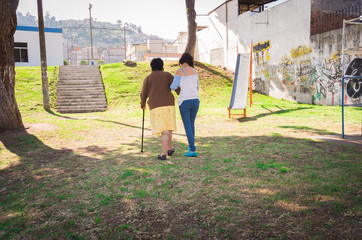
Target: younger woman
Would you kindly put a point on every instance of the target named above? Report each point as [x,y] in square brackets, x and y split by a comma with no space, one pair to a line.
[187,80]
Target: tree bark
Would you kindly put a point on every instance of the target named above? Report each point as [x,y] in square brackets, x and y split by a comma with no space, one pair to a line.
[10,117]
[43,57]
[191,16]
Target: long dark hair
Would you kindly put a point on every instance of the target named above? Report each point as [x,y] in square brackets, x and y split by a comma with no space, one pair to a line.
[187,58]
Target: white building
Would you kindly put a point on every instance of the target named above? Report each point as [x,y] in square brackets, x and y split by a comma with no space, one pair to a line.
[27,47]
[296,45]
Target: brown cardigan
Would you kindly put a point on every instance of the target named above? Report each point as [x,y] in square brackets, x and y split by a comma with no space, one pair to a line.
[156,87]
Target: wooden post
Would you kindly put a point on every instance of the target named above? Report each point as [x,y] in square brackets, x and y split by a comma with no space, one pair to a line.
[251,75]
[43,57]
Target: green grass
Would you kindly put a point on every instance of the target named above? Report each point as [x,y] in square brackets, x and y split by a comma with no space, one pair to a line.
[80,176]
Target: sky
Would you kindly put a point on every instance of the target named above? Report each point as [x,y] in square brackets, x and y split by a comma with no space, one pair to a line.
[163,18]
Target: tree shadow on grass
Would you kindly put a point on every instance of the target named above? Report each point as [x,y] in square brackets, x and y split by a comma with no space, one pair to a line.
[38,189]
[238,187]
[100,120]
[106,121]
[261,115]
[212,71]
[62,116]
[307,129]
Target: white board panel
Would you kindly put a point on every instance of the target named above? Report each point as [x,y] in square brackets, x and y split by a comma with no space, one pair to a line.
[239,95]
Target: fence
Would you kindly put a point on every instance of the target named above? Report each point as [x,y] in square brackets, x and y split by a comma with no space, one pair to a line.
[322,21]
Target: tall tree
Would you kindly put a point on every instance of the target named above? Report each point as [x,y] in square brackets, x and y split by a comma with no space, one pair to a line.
[191,16]
[43,57]
[10,117]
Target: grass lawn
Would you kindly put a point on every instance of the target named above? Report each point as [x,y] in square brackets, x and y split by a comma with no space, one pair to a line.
[268,176]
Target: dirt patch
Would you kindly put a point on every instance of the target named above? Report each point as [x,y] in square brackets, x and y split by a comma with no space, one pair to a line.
[38,127]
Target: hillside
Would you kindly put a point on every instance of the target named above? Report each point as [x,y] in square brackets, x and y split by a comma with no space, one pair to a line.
[122,81]
[76,32]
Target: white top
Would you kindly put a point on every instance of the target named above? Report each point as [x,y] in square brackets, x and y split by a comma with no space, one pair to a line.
[189,87]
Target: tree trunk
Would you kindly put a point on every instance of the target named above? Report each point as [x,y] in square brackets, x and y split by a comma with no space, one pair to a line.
[10,117]
[43,57]
[191,16]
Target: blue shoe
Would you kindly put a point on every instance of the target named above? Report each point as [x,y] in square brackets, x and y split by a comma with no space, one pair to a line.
[191,154]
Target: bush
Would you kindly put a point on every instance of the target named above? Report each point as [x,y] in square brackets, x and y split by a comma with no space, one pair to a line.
[101,62]
[65,62]
[83,62]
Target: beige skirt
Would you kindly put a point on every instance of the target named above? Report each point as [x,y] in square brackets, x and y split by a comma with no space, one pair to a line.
[162,119]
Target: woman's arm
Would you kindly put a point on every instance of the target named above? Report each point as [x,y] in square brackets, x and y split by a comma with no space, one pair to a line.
[176,82]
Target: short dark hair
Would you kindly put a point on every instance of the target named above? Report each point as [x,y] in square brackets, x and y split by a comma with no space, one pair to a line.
[157,64]
[187,58]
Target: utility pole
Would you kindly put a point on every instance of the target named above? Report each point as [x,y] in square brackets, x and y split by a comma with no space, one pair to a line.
[43,57]
[91,38]
[72,52]
[125,43]
[75,51]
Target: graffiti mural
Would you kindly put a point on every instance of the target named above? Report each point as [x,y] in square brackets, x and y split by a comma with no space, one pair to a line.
[261,52]
[287,69]
[306,73]
[354,86]
[304,70]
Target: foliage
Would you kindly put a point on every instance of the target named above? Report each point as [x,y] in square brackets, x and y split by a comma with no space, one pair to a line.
[83,62]
[100,62]
[65,62]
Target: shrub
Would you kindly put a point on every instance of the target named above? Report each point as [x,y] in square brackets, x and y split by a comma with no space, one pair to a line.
[83,62]
[101,62]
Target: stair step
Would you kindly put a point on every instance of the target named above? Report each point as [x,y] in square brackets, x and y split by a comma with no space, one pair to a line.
[81,101]
[79,68]
[103,105]
[81,109]
[77,107]
[79,97]
[84,91]
[77,86]
[80,93]
[79,82]
[74,104]
[79,78]
[80,89]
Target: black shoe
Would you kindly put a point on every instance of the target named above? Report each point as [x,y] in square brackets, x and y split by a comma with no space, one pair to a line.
[170,152]
[161,157]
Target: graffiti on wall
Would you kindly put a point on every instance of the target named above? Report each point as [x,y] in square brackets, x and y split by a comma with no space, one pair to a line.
[354,86]
[303,68]
[328,75]
[261,51]
[303,73]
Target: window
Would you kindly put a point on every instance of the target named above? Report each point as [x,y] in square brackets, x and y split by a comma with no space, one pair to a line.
[252,5]
[21,52]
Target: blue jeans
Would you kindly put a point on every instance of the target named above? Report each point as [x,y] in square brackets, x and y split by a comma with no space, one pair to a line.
[188,110]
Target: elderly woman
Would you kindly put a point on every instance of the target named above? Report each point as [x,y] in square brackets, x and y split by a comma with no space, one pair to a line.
[156,87]
[187,79]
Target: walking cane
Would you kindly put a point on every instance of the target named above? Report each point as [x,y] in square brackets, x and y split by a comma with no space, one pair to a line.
[143,129]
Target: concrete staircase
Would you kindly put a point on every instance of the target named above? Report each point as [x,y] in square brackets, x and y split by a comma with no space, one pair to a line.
[80,89]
